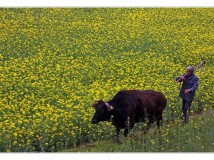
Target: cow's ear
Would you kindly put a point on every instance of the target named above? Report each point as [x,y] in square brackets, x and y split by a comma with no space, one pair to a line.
[99,101]
[96,102]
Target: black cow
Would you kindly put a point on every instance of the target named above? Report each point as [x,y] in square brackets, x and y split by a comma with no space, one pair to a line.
[129,107]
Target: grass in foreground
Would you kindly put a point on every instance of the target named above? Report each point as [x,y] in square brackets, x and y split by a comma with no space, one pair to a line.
[194,137]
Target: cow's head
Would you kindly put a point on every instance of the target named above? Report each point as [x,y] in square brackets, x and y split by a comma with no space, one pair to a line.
[102,112]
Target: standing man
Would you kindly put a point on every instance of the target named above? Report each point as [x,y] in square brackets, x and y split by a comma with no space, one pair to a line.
[187,92]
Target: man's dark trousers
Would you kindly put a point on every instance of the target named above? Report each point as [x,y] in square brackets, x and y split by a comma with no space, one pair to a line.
[186,106]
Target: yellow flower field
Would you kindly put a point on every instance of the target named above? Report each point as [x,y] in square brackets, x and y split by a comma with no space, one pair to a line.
[54,63]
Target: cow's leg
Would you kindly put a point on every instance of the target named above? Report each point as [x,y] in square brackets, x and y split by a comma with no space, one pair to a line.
[128,128]
[149,123]
[147,127]
[117,135]
[159,123]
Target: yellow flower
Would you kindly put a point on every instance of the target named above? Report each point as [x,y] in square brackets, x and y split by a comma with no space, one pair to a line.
[152,141]
[15,134]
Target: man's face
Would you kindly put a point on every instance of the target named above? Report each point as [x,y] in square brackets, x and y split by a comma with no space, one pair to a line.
[189,72]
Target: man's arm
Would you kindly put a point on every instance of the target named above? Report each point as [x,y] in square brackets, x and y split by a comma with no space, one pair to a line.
[195,85]
[180,79]
[177,79]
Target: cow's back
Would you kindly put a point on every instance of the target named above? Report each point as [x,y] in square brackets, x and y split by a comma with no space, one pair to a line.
[154,102]
[140,103]
[145,97]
